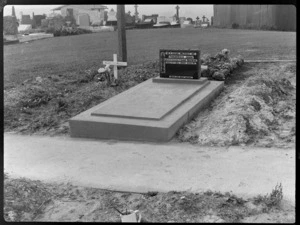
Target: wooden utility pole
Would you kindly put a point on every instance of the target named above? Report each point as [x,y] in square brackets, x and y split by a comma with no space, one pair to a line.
[122,50]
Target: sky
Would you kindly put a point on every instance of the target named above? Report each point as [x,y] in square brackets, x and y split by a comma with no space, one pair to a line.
[163,10]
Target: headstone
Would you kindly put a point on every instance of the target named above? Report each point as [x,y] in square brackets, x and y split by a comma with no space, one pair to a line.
[185,64]
[84,20]
[112,15]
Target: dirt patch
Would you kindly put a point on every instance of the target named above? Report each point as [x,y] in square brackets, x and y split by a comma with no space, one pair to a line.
[257,107]
[27,200]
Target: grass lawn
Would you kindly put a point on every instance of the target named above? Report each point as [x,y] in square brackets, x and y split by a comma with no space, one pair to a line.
[73,54]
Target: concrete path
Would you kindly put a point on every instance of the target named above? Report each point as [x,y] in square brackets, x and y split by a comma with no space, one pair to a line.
[142,167]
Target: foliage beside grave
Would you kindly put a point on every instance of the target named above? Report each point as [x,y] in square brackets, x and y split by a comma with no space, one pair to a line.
[32,200]
[258,109]
[220,66]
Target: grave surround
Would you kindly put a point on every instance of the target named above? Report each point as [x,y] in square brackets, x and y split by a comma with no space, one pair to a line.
[152,103]
[140,116]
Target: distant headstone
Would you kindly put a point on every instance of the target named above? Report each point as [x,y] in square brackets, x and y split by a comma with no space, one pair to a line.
[185,64]
[112,15]
[84,20]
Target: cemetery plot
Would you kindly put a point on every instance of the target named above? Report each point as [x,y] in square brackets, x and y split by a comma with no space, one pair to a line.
[125,117]
[58,98]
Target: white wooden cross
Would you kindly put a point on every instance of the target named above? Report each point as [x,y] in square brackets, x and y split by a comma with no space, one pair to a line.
[115,63]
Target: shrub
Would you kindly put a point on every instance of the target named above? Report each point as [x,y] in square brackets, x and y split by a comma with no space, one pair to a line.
[271,200]
[66,31]
[10,25]
[235,25]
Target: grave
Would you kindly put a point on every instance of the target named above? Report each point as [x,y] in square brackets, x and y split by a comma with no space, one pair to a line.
[84,20]
[155,109]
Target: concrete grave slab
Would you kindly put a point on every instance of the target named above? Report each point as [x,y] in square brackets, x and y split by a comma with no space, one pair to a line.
[151,103]
[151,111]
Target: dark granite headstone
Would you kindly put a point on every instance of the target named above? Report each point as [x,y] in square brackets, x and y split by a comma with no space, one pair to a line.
[184,64]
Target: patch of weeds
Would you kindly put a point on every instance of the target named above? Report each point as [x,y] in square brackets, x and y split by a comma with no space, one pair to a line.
[35,99]
[208,192]
[269,83]
[252,132]
[291,68]
[83,77]
[24,199]
[293,131]
[264,96]
[189,206]
[274,199]
[235,141]
[62,105]
[272,124]
[231,208]
[151,193]
[180,134]
[255,104]
[232,215]
[258,199]
[47,122]
[193,139]
[249,129]
[183,135]
[270,200]
[225,130]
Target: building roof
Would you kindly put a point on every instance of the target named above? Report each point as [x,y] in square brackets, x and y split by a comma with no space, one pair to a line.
[84,6]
